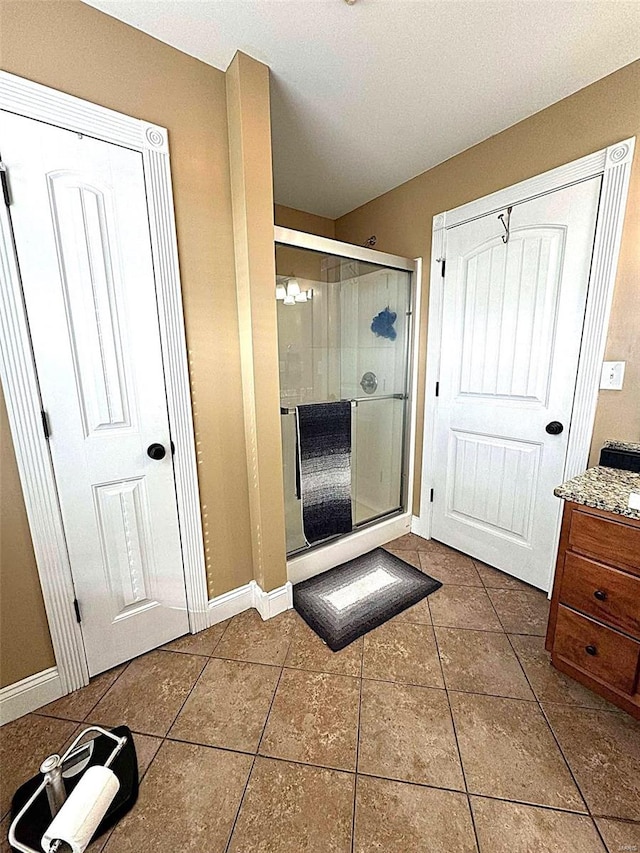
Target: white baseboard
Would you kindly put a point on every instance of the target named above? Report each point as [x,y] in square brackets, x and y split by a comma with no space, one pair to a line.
[29,694]
[268,604]
[320,559]
[230,603]
[37,690]
[421,525]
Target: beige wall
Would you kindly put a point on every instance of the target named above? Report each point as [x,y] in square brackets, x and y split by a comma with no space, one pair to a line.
[74,48]
[591,119]
[289,217]
[23,622]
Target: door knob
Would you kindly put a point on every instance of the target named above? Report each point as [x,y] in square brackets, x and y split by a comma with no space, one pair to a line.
[554,428]
[156,451]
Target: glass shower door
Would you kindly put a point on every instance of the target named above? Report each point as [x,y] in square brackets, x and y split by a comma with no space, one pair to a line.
[343,329]
[374,374]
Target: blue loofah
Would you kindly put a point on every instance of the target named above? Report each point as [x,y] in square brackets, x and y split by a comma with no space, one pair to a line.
[382,324]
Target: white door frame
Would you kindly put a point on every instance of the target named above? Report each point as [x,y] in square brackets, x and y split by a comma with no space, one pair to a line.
[613,164]
[20,383]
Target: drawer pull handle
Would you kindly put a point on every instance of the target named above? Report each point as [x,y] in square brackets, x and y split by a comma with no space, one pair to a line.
[591,650]
[600,594]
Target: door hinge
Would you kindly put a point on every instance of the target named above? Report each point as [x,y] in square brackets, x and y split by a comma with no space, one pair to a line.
[444,264]
[431,496]
[437,389]
[76,607]
[4,177]
[45,424]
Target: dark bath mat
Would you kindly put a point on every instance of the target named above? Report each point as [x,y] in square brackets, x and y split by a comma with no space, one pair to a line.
[344,603]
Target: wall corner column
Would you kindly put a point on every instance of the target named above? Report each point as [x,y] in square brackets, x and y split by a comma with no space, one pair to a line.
[248,112]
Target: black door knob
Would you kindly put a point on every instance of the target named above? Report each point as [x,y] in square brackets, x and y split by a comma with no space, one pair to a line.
[156,451]
[554,428]
[591,650]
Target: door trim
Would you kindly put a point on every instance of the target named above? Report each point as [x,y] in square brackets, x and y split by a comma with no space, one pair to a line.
[20,384]
[613,164]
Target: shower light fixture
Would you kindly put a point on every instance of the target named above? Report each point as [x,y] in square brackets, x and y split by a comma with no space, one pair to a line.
[288,291]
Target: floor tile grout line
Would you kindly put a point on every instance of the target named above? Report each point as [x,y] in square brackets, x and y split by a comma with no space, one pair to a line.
[126,666]
[100,698]
[451,689]
[493,607]
[455,735]
[559,746]
[500,630]
[572,774]
[182,652]
[255,757]
[396,779]
[355,781]
[171,738]
[186,699]
[257,752]
[201,674]
[113,683]
[144,775]
[221,637]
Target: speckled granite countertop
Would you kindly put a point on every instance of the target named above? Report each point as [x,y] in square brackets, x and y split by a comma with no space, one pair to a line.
[623,445]
[603,488]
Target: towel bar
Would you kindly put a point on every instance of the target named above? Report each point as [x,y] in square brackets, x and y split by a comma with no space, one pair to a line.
[290,410]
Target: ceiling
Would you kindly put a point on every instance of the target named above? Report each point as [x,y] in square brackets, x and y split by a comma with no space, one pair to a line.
[366,96]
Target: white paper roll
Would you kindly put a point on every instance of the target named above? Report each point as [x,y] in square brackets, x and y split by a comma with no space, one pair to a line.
[85,807]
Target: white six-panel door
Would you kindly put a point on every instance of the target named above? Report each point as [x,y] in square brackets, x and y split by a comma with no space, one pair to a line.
[512,323]
[82,238]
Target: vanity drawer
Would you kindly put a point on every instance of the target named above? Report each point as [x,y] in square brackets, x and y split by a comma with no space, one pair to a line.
[613,542]
[604,593]
[597,650]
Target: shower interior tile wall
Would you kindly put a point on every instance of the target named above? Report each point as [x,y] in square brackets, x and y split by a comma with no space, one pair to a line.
[326,345]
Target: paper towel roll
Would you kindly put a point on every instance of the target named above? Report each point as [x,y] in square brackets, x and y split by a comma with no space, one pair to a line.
[85,807]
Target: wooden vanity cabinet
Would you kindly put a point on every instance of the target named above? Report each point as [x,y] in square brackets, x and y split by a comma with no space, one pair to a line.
[594,622]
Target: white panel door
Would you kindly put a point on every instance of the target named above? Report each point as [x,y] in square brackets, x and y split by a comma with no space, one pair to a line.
[512,322]
[82,237]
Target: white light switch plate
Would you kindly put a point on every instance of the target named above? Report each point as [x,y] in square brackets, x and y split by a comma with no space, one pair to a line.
[634,500]
[612,375]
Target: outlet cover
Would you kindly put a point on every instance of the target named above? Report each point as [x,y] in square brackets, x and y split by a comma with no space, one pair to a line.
[612,375]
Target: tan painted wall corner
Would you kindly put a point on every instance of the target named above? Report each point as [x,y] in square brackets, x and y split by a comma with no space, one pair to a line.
[252,192]
[310,223]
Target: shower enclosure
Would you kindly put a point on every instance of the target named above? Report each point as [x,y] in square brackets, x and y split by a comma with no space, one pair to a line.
[344,333]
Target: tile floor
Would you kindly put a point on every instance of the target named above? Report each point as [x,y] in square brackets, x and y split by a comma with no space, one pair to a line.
[445,730]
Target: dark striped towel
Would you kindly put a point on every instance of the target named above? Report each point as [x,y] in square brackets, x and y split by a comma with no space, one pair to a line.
[324,457]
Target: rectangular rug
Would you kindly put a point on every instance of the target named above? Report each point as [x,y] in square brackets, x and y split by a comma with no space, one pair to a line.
[324,460]
[344,603]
